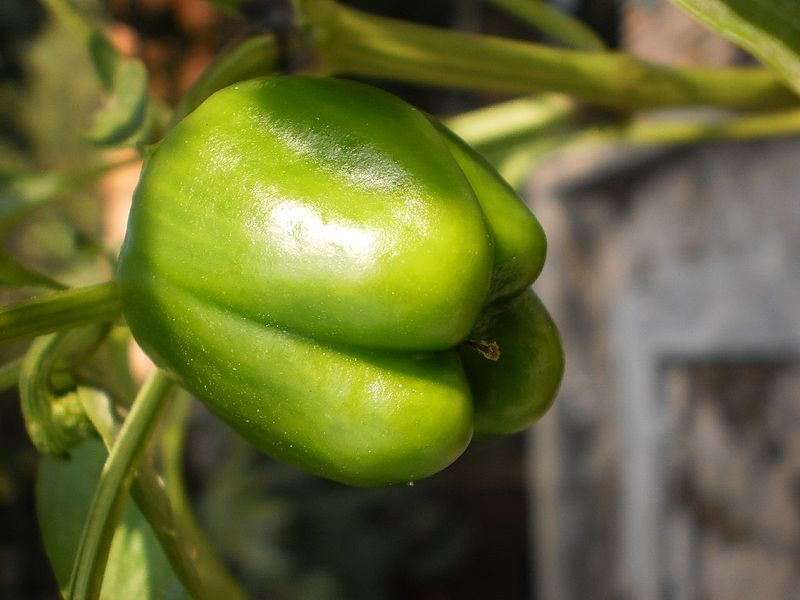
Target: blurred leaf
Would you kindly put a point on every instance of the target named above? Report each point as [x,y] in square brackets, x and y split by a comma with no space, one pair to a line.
[229,6]
[61,95]
[769,29]
[252,534]
[125,115]
[105,58]
[137,567]
[14,273]
[22,193]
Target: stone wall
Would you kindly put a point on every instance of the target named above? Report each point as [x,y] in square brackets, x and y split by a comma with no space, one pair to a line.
[670,465]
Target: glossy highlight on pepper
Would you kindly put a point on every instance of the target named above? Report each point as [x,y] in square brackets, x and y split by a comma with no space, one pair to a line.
[307,256]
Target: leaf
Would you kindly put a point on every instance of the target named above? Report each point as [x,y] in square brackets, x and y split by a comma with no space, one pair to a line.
[137,567]
[22,193]
[126,113]
[769,29]
[14,274]
[105,58]
[232,7]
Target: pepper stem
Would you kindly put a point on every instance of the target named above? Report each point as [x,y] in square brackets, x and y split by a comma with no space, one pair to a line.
[489,350]
[351,42]
[60,310]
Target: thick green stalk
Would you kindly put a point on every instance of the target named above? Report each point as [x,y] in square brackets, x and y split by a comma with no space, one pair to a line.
[112,489]
[59,310]
[356,43]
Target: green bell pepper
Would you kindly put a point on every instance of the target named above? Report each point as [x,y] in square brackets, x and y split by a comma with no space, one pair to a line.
[308,256]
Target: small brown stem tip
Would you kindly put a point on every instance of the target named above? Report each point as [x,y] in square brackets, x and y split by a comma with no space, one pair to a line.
[490,350]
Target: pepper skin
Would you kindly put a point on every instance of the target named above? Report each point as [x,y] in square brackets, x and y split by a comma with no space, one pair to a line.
[306,256]
[511,392]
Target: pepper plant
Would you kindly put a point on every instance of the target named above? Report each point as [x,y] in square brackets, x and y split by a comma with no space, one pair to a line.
[339,276]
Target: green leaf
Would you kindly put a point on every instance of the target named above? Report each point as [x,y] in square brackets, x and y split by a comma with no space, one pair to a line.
[769,29]
[22,193]
[137,567]
[126,113]
[231,7]
[14,274]
[105,58]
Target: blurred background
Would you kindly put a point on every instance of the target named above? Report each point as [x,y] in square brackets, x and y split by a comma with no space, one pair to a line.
[669,466]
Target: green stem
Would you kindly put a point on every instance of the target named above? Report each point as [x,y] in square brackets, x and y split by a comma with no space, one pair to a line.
[55,421]
[217,580]
[60,310]
[682,132]
[356,43]
[112,489]
[189,553]
[179,544]
[526,120]
[522,157]
[172,444]
[550,21]
[515,163]
[526,116]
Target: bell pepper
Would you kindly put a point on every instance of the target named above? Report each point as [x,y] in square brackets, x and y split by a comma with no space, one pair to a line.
[313,258]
